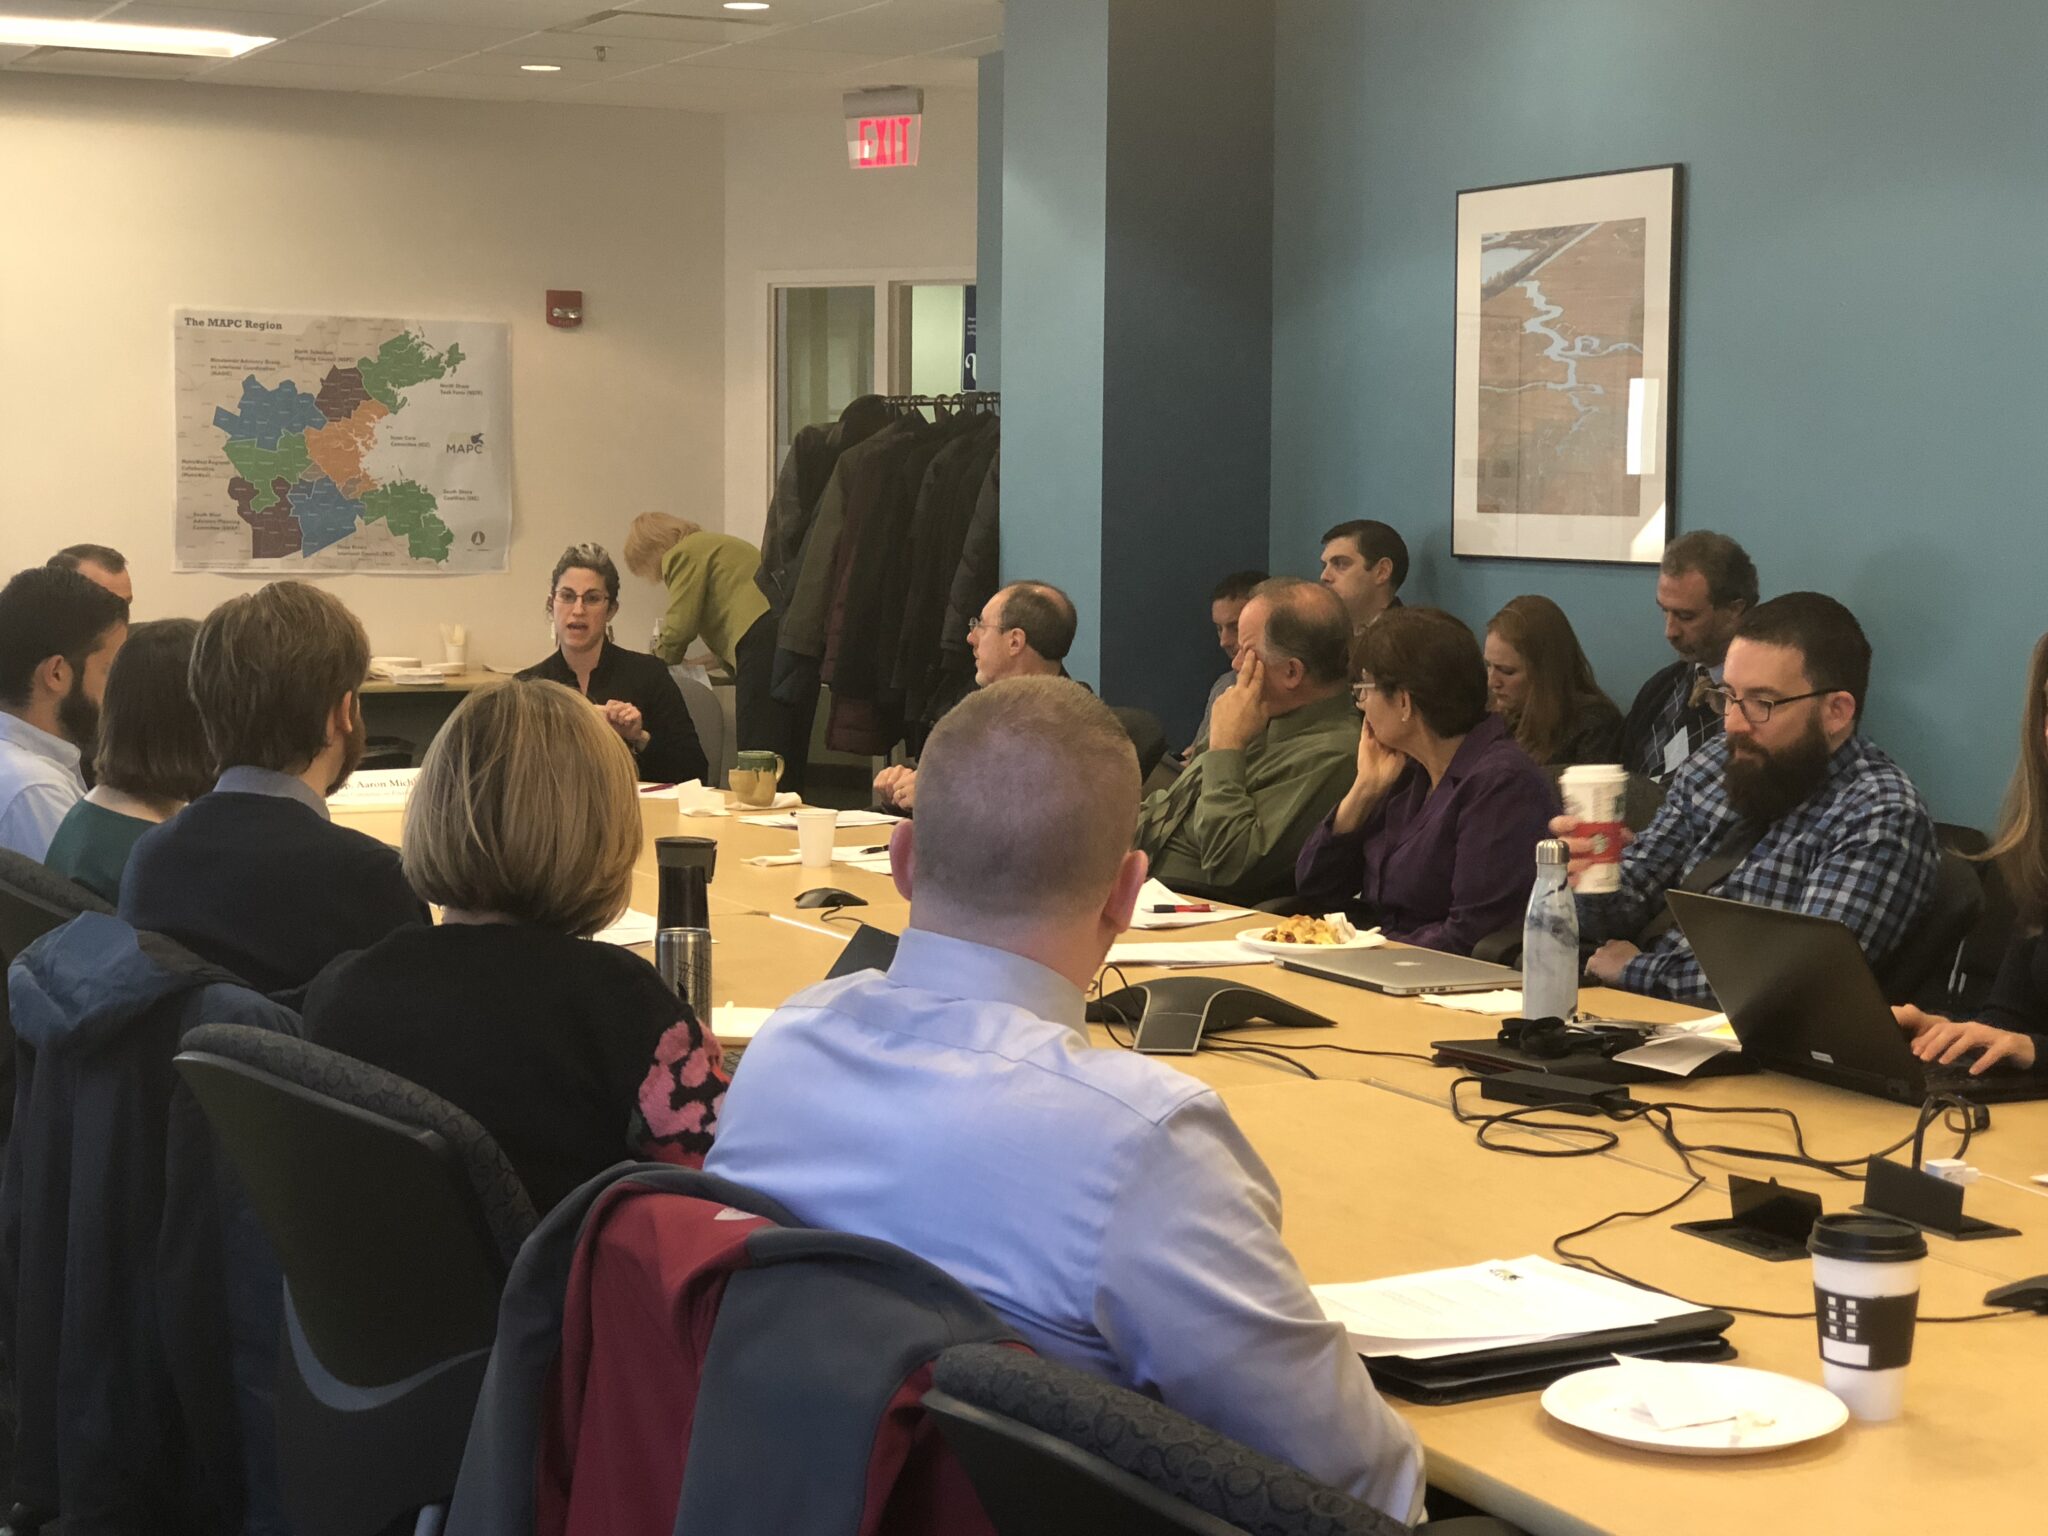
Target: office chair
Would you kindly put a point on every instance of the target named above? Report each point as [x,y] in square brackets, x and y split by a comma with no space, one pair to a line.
[395,1218]
[1920,969]
[708,716]
[1148,736]
[1056,1452]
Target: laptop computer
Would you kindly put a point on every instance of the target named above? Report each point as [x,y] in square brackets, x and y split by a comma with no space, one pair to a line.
[1802,1000]
[1402,972]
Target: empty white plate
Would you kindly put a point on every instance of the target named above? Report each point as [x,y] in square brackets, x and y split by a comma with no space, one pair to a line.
[1775,1411]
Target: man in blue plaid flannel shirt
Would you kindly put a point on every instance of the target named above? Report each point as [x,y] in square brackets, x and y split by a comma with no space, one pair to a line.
[1837,829]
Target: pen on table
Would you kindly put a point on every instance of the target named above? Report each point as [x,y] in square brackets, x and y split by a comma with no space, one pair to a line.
[1184,906]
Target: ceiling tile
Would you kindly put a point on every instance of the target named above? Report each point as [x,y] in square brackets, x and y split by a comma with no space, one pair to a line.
[58,10]
[312,51]
[305,77]
[246,20]
[682,87]
[936,74]
[901,27]
[766,57]
[579,48]
[780,13]
[702,32]
[532,15]
[89,61]
[304,12]
[365,30]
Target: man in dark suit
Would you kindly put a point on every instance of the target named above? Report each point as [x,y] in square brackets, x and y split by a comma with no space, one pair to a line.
[1705,584]
[253,876]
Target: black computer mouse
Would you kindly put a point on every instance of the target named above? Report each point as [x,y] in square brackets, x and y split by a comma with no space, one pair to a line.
[829,896]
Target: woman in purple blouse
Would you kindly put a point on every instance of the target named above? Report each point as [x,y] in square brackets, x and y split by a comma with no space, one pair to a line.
[1436,841]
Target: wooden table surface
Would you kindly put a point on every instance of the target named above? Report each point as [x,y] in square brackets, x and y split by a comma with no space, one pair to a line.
[1378,1178]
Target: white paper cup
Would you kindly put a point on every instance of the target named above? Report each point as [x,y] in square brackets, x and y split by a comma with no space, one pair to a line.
[1866,1295]
[1593,797]
[815,829]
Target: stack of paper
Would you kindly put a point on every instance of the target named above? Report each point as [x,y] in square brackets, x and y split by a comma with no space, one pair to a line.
[1496,1004]
[735,1025]
[1494,1305]
[633,928]
[787,821]
[1152,894]
[1682,1049]
[858,858]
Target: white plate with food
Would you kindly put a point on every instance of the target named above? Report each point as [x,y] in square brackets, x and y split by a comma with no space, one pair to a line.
[1754,1410]
[1291,935]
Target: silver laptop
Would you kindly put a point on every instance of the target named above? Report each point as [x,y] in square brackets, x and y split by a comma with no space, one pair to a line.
[1404,972]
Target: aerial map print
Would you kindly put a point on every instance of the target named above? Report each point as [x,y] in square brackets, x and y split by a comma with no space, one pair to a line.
[332,444]
[1561,336]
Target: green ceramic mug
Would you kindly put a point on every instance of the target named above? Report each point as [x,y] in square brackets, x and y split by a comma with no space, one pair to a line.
[754,778]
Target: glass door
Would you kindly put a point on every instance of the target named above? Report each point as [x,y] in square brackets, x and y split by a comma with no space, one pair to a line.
[824,355]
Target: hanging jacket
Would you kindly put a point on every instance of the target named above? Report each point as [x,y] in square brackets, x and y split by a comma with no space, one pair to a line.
[938,532]
[798,486]
[138,1296]
[671,1358]
[975,580]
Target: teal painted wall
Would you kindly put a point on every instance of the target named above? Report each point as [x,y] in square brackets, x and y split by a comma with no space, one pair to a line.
[1055,166]
[1863,363]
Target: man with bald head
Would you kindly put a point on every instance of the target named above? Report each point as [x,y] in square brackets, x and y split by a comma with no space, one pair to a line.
[1024,630]
[1104,1204]
[1283,740]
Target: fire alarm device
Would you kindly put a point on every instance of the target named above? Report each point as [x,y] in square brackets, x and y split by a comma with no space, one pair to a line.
[565,307]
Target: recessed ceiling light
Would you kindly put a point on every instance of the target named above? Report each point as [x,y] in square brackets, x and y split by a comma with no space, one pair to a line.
[542,69]
[124,37]
[746,5]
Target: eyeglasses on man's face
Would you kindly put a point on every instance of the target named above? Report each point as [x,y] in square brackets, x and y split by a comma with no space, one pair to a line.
[566,597]
[980,625]
[1756,711]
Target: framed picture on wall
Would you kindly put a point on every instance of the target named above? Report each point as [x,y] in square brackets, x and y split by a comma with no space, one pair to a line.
[1566,350]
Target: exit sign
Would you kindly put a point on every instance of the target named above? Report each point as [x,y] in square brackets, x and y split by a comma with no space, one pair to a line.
[883,143]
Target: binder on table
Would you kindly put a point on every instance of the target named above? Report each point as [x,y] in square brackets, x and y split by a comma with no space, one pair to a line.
[1511,1325]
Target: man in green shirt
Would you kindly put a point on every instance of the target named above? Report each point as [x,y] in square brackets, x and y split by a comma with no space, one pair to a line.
[712,597]
[1282,749]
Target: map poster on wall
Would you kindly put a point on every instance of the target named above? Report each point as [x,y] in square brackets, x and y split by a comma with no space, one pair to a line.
[323,443]
[1561,432]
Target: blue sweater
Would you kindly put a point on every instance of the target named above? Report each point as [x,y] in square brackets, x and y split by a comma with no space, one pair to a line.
[265,887]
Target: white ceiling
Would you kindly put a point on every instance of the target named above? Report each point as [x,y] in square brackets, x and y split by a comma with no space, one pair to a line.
[690,55]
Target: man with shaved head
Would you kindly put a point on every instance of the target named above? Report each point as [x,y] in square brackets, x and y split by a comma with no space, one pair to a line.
[1283,742]
[1104,1204]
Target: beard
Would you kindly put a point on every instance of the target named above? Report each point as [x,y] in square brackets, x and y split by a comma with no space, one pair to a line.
[78,720]
[353,746]
[1763,785]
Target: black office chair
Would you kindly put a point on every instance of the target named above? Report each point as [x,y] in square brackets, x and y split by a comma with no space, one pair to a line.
[395,1218]
[1983,949]
[1921,968]
[1055,1452]
[33,900]
[1148,737]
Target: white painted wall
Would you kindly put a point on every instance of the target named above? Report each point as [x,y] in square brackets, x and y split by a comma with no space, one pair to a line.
[794,212]
[122,200]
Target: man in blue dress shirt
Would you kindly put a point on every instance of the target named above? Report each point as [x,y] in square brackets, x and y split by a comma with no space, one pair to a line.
[1105,1204]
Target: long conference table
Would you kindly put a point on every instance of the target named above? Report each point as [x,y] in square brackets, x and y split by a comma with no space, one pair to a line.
[1378,1179]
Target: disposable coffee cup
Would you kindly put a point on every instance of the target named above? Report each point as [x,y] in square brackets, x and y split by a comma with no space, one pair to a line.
[1866,1295]
[814,834]
[1593,797]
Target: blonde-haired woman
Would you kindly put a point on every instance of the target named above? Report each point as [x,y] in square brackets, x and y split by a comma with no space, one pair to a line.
[2012,1026]
[523,827]
[713,595]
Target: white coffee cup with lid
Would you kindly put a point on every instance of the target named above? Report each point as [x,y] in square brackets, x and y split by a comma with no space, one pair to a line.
[1866,1297]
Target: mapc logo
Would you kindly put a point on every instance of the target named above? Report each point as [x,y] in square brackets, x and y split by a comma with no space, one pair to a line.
[474,443]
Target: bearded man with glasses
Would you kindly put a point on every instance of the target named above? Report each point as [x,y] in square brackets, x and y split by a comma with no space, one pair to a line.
[1791,807]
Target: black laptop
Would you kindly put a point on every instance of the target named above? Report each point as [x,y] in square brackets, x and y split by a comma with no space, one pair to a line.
[1802,1000]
